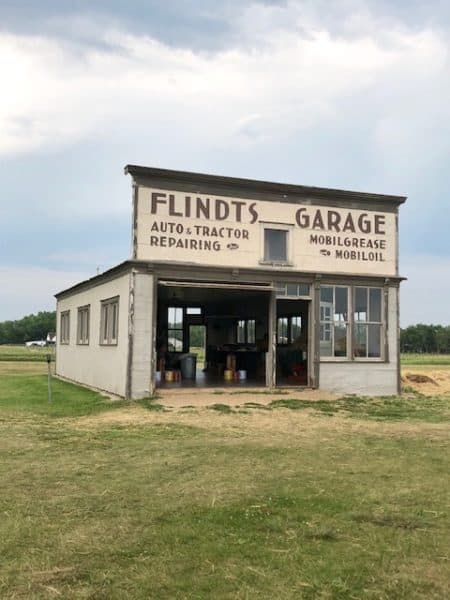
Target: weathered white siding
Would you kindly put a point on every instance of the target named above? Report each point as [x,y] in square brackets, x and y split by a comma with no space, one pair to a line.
[367,378]
[99,366]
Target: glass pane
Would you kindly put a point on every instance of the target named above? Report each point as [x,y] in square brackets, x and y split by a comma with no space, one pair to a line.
[296,328]
[282,337]
[341,304]
[360,340]
[340,339]
[326,294]
[291,289]
[175,318]
[374,341]
[375,304]
[325,312]
[241,332]
[275,246]
[303,289]
[251,331]
[325,340]
[105,322]
[114,322]
[194,311]
[175,340]
[360,304]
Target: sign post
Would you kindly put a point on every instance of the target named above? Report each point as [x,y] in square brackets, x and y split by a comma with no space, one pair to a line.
[49,361]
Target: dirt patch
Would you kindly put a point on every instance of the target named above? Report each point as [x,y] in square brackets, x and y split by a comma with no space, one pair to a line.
[430,382]
[418,378]
[178,398]
[270,425]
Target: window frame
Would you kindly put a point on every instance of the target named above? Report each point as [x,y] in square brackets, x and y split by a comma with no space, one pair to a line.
[381,324]
[83,310]
[106,307]
[281,289]
[330,324]
[287,228]
[64,327]
[351,322]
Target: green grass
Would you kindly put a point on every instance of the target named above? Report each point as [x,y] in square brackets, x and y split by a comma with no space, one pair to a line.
[425,359]
[29,394]
[9,352]
[204,506]
[415,407]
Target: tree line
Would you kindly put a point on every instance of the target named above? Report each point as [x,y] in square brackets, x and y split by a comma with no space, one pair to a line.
[425,338]
[31,327]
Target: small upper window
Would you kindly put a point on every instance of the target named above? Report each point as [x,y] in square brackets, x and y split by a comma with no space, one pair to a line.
[109,324]
[294,290]
[275,245]
[83,325]
[64,333]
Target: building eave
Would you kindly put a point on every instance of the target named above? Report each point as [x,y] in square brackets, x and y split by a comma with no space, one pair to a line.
[228,273]
[285,190]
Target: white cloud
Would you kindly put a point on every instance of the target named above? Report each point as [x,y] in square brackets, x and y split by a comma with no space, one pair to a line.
[284,66]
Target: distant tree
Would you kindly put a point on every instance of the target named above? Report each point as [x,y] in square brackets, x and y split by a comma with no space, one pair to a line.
[425,338]
[197,336]
[31,327]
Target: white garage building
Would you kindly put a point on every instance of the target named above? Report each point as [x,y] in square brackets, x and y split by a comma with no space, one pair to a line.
[286,284]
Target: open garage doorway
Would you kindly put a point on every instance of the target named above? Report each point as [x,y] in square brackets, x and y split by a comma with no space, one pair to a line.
[232,319]
[292,348]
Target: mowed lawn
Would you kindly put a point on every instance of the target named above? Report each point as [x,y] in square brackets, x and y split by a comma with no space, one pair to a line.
[296,499]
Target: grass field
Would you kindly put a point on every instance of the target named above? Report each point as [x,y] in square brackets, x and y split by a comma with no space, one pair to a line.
[426,359]
[10,352]
[104,499]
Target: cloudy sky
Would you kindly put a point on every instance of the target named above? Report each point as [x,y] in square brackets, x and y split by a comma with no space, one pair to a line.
[351,94]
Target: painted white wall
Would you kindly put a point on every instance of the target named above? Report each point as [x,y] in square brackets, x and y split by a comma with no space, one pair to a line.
[102,367]
[363,377]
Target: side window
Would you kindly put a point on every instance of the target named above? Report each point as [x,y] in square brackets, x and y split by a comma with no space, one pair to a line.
[64,328]
[83,325]
[109,321]
[367,327]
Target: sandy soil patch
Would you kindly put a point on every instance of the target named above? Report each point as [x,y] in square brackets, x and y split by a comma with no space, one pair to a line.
[177,398]
[430,382]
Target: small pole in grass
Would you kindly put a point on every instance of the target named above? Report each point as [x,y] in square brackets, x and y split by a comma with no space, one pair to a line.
[49,361]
